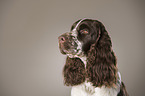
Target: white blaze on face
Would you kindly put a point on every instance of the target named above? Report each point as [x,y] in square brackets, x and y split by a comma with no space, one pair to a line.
[74,34]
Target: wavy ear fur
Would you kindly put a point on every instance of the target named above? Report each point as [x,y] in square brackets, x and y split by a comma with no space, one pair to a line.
[74,72]
[101,64]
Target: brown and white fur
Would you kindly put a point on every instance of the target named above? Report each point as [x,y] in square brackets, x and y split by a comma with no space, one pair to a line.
[91,67]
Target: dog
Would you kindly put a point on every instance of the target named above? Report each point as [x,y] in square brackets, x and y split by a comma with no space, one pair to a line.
[91,65]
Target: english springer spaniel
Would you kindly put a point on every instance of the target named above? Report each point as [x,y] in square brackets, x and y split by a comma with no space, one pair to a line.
[91,67]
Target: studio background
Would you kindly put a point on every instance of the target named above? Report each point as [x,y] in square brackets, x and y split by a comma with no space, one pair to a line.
[30,61]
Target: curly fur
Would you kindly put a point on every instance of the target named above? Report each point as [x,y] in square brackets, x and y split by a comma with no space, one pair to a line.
[74,72]
[101,64]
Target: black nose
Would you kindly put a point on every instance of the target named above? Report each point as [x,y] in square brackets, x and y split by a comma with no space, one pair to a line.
[61,39]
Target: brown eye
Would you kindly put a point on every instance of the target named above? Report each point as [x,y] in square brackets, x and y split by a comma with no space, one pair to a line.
[85,31]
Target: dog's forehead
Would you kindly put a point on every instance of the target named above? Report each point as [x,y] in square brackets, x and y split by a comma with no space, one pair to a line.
[75,28]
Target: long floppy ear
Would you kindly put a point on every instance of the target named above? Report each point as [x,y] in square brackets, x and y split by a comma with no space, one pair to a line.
[101,64]
[74,72]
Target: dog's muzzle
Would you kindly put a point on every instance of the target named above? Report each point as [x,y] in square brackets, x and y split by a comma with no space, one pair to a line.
[67,44]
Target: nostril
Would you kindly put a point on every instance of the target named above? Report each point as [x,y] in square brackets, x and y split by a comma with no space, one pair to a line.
[61,39]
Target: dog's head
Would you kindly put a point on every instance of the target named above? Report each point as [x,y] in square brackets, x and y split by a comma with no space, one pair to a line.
[83,34]
[88,38]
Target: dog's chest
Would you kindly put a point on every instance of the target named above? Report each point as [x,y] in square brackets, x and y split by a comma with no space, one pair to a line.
[89,88]
[86,89]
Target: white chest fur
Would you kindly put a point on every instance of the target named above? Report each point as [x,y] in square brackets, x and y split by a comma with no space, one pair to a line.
[86,89]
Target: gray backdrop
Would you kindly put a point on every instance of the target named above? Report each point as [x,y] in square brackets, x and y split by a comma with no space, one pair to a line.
[30,61]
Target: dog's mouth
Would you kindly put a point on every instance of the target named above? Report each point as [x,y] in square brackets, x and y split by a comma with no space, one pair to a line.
[68,49]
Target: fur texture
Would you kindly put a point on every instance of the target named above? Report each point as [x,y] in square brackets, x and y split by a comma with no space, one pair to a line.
[91,66]
[74,72]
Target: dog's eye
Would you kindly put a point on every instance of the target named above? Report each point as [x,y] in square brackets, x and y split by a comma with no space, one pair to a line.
[84,31]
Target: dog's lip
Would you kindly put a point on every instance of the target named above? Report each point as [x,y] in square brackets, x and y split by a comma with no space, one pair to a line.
[62,51]
[66,52]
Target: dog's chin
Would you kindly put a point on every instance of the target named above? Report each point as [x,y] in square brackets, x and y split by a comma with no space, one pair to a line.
[68,53]
[71,56]
[72,53]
